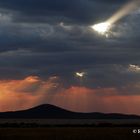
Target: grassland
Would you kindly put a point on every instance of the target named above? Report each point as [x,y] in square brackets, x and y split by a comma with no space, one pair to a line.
[68,133]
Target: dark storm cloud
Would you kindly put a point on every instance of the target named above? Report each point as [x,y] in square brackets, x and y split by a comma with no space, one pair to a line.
[53,37]
[77,11]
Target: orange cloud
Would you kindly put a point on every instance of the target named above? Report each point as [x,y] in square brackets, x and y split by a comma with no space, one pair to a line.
[32,91]
[22,94]
[97,100]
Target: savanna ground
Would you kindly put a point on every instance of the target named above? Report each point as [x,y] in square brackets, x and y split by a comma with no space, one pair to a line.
[69,133]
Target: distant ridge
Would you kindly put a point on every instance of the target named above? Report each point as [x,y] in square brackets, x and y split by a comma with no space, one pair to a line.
[47,111]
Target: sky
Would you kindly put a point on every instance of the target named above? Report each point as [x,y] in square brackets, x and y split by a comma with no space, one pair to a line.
[45,43]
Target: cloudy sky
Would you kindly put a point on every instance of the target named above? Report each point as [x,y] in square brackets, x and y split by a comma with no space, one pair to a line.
[44,43]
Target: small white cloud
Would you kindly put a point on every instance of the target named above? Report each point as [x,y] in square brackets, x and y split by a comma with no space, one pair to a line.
[134,68]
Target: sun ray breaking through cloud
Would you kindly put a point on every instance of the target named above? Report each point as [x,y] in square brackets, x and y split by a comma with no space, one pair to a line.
[124,11]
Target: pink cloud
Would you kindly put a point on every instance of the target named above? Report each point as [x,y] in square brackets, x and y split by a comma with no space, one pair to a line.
[32,91]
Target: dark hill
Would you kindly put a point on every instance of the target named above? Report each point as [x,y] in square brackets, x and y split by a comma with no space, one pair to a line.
[52,112]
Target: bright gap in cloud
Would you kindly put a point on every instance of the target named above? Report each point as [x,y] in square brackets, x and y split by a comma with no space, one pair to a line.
[101,28]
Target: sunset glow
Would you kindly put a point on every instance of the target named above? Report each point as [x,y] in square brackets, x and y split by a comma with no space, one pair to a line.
[20,94]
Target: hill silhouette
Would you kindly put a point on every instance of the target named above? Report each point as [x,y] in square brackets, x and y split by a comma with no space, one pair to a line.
[47,111]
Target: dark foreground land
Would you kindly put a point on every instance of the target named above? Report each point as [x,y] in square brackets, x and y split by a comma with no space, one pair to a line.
[69,133]
[47,122]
